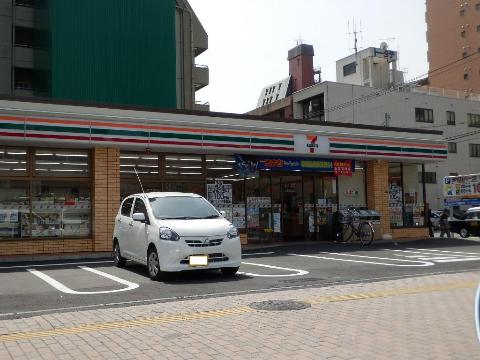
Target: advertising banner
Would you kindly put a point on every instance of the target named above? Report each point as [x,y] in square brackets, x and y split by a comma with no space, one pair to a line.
[463,187]
[250,165]
[219,193]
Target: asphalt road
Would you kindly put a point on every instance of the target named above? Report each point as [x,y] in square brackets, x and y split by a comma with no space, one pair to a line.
[28,289]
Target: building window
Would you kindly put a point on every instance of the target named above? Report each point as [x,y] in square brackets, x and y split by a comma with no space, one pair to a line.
[279,86]
[450,118]
[452,147]
[406,195]
[463,33]
[478,28]
[314,108]
[350,69]
[474,150]
[177,165]
[464,54]
[423,115]
[49,196]
[477,6]
[430,177]
[462,12]
[473,120]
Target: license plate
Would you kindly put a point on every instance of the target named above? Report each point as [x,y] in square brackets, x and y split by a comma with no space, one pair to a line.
[198,260]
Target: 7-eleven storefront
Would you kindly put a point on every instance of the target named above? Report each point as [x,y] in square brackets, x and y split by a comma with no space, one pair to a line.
[64,170]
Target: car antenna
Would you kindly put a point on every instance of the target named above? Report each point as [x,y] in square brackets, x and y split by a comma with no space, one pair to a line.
[138,177]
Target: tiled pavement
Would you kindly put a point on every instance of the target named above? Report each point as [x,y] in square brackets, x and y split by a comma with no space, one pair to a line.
[415,318]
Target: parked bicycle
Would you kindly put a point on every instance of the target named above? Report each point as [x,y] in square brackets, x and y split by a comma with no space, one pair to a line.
[355,229]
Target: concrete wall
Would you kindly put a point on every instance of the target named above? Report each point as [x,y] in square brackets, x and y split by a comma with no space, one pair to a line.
[363,105]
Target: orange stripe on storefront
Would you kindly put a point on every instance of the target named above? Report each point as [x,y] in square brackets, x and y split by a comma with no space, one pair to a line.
[385,142]
[140,126]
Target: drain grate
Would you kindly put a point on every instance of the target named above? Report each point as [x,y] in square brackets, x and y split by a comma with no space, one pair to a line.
[279,305]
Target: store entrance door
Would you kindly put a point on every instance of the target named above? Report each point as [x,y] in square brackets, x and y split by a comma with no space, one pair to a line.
[292,208]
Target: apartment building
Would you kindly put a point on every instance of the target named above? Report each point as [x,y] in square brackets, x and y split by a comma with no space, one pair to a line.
[129,52]
[453,36]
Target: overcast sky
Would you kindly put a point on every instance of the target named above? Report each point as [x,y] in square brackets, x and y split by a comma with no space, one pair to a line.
[249,40]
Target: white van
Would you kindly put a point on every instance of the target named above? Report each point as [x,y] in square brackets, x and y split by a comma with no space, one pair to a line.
[172,232]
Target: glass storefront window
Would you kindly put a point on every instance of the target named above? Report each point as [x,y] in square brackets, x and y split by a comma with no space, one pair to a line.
[13,162]
[132,186]
[327,203]
[179,165]
[145,164]
[60,209]
[225,188]
[413,195]
[395,191]
[184,186]
[61,162]
[406,194]
[259,222]
[14,209]
[352,188]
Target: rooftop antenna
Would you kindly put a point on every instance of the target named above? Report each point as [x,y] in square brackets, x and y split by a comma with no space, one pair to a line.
[355,34]
[138,177]
[299,41]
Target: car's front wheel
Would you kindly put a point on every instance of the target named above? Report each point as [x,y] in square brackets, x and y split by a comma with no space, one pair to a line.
[230,271]
[154,265]
[464,233]
[118,259]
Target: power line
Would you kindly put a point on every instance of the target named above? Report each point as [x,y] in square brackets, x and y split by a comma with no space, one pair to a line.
[380,92]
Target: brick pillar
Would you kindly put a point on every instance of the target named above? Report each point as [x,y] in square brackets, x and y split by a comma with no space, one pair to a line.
[106,195]
[377,192]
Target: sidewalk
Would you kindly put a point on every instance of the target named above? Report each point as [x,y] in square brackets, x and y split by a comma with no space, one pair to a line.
[428,317]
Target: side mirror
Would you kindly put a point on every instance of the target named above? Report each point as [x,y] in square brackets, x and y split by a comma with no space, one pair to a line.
[223,213]
[139,217]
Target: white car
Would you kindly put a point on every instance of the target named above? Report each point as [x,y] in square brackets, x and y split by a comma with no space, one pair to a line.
[172,232]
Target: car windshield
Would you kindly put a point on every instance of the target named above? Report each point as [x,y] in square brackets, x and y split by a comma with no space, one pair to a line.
[182,207]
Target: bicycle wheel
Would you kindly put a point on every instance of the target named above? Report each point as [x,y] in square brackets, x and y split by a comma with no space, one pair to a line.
[347,232]
[365,233]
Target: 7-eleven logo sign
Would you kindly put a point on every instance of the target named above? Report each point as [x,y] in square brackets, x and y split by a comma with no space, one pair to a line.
[312,143]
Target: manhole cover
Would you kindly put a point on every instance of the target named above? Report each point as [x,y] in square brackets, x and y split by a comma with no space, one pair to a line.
[279,305]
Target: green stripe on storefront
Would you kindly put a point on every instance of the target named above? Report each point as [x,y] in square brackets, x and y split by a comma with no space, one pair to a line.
[387,148]
[60,129]
[8,126]
[111,132]
[155,134]
[273,141]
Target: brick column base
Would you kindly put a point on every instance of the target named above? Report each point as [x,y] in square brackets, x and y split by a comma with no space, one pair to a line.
[377,192]
[106,196]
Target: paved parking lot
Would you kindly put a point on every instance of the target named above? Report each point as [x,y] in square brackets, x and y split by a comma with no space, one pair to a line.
[426,317]
[64,286]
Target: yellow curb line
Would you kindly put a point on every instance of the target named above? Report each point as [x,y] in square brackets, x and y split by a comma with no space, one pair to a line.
[126,324]
[390,293]
[222,313]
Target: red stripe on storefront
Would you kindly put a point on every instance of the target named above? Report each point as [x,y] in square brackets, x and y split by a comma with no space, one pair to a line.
[12,134]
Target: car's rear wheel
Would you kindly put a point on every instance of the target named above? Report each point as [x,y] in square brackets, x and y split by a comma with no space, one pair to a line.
[229,271]
[464,233]
[153,265]
[118,259]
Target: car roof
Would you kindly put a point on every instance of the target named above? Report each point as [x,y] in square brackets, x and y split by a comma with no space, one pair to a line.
[165,194]
[474,209]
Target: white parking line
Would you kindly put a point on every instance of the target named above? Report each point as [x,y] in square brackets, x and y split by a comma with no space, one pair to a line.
[55,264]
[296,272]
[264,253]
[445,251]
[440,256]
[412,263]
[61,287]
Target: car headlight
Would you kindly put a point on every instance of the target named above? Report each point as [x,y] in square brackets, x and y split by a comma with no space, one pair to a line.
[168,234]
[232,232]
